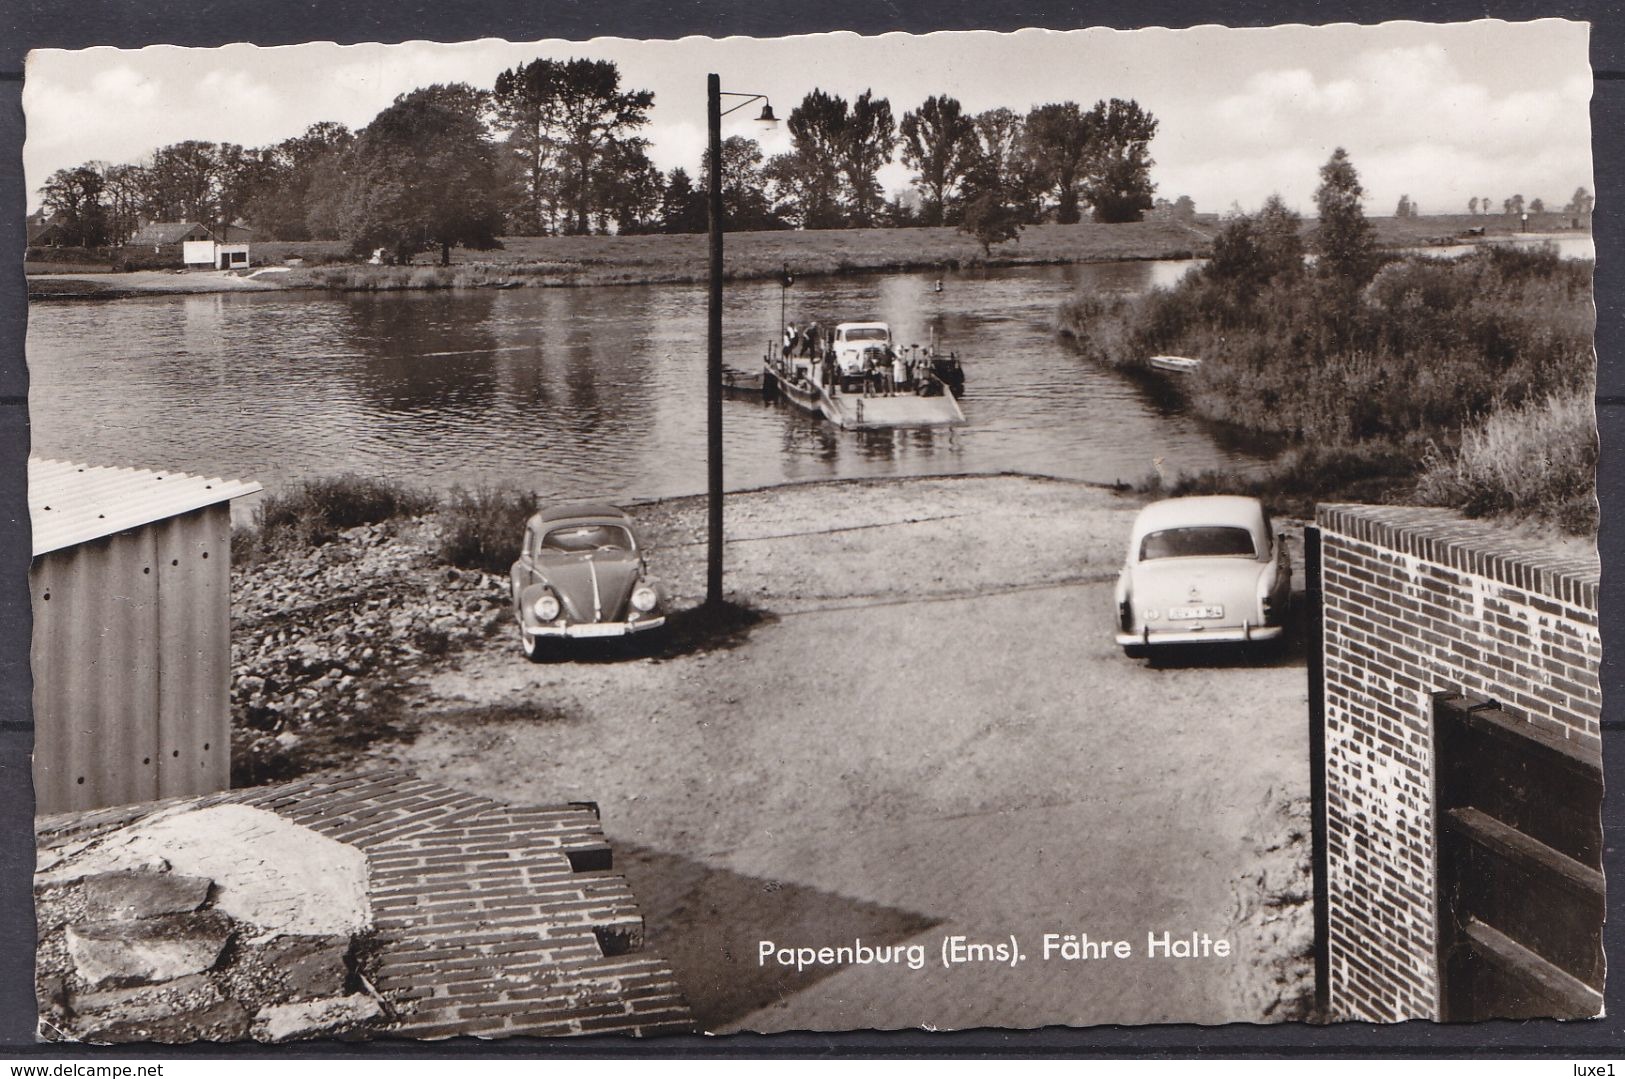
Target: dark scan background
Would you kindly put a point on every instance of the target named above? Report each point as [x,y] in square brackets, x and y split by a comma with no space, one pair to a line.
[26,24]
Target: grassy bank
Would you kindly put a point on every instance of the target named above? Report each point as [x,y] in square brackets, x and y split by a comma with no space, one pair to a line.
[611,260]
[1382,385]
[608,260]
[562,261]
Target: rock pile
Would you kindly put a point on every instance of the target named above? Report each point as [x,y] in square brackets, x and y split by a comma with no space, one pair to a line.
[321,638]
[137,943]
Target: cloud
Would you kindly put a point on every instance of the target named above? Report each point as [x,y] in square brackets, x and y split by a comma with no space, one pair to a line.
[124,84]
[1413,120]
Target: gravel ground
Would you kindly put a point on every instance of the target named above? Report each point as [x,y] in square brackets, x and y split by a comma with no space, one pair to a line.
[928,734]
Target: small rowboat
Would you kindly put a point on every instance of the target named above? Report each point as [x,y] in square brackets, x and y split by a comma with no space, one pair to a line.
[1182,365]
[735,381]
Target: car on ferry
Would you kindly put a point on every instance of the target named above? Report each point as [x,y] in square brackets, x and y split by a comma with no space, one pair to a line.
[852,341]
[581,574]
[1202,570]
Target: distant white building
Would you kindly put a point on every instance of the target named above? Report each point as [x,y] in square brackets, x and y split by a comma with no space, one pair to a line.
[198,247]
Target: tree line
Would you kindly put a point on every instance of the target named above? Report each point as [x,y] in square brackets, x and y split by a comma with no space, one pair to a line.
[1579,204]
[556,147]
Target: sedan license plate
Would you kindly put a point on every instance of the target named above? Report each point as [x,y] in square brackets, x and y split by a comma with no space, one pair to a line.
[1192,614]
[598,631]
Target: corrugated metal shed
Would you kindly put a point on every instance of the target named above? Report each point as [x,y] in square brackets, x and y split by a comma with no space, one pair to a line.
[131,648]
[72,503]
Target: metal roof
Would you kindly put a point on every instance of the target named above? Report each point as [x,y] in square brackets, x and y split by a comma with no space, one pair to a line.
[71,503]
[1240,511]
[159,233]
[574,510]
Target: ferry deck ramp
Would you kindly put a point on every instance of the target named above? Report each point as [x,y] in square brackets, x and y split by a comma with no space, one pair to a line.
[904,410]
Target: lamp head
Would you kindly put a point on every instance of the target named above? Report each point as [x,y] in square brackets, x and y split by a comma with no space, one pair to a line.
[767,119]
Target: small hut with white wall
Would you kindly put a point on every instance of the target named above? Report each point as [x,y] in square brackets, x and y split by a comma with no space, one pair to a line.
[131,650]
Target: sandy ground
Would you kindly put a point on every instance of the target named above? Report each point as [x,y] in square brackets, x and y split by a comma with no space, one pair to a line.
[142,283]
[931,735]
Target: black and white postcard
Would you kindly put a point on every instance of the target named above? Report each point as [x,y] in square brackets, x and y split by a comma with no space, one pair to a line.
[944,531]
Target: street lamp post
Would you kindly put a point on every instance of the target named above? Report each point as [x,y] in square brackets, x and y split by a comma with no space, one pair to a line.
[713,332]
[713,357]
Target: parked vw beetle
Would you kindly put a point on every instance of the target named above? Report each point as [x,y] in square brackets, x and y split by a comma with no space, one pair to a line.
[1200,571]
[581,574]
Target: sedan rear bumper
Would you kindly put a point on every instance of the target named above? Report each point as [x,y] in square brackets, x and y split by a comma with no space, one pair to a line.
[1220,635]
[595,629]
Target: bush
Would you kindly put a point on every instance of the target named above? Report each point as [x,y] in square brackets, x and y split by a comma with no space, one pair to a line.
[1537,460]
[312,513]
[1365,377]
[481,529]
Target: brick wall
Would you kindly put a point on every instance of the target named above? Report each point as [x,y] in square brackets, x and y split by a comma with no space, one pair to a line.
[1419,601]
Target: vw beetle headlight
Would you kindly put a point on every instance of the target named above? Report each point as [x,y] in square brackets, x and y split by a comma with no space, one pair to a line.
[644,598]
[546,607]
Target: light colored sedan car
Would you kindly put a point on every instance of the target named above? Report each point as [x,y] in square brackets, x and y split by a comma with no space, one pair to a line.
[1200,571]
[581,574]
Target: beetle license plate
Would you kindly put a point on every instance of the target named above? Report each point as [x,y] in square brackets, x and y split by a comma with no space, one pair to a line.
[1192,614]
[598,631]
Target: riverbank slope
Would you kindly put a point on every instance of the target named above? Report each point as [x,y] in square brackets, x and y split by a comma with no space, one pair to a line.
[123,286]
[563,261]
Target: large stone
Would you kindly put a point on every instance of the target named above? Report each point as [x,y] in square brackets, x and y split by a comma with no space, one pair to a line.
[314,1018]
[130,894]
[276,876]
[221,1021]
[147,951]
[139,1002]
[83,860]
[308,967]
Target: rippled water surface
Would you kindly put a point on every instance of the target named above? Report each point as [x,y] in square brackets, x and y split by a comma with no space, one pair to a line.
[578,392]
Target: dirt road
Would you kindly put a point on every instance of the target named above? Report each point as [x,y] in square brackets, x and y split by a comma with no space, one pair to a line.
[931,736]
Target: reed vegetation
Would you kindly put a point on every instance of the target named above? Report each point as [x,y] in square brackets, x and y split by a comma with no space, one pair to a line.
[481,528]
[313,512]
[1536,460]
[1411,367]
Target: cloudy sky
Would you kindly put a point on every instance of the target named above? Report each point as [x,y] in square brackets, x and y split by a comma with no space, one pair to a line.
[1439,112]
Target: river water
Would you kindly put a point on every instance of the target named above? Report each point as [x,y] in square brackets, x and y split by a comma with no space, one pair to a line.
[585,392]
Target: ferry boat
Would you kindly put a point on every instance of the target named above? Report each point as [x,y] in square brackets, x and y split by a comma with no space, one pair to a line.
[843,387]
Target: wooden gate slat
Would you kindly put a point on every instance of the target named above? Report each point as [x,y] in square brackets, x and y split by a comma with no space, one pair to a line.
[1520,889]
[1565,996]
[1481,828]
